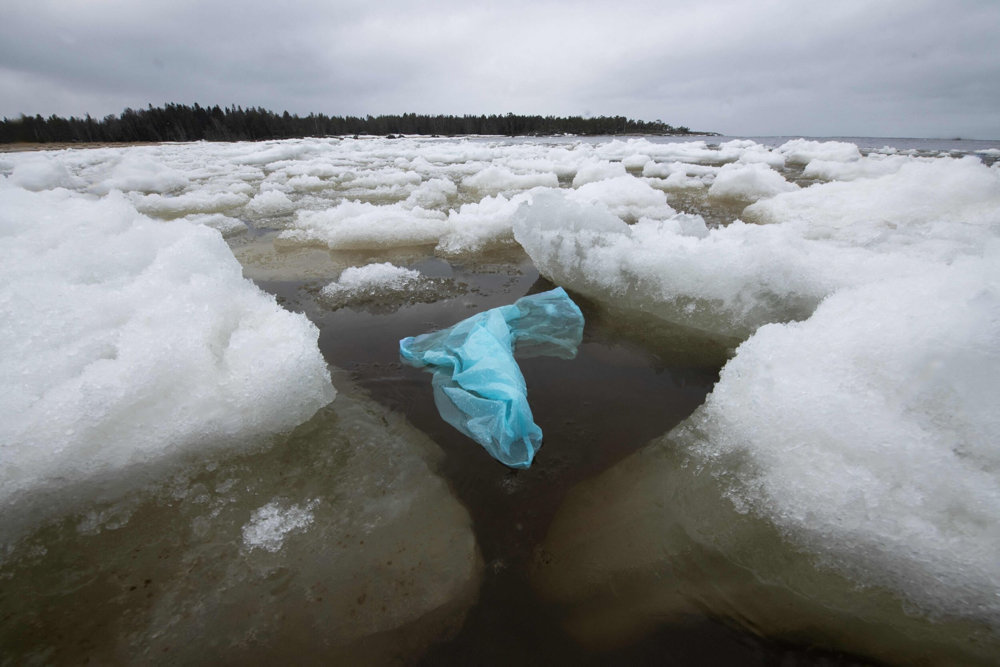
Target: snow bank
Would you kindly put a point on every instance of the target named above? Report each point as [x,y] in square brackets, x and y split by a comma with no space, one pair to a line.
[128,340]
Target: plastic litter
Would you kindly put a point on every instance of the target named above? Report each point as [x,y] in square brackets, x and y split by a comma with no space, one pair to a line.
[478,386]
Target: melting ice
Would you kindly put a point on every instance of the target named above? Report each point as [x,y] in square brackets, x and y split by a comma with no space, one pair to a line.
[859,290]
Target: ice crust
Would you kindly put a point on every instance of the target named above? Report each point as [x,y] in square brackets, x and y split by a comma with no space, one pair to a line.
[269,525]
[128,340]
[370,279]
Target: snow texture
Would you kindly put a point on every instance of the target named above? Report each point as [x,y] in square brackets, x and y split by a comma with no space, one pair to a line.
[128,340]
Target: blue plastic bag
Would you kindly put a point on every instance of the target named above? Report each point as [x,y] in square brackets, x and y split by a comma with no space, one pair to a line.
[478,386]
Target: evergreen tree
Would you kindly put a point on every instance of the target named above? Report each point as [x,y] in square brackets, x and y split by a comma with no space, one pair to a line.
[178,122]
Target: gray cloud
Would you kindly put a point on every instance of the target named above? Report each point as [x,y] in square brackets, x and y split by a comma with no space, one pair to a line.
[899,67]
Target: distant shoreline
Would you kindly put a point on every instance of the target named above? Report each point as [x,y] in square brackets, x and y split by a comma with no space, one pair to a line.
[28,146]
[179,122]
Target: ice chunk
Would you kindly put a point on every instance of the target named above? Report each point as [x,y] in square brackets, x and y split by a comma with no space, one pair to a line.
[140,173]
[43,173]
[370,278]
[751,152]
[598,171]
[748,182]
[672,269]
[872,166]
[705,173]
[939,206]
[802,151]
[888,464]
[636,162]
[433,193]
[482,224]
[685,151]
[346,518]
[198,201]
[354,225]
[271,152]
[271,203]
[149,345]
[736,278]
[501,179]
[227,226]
[384,287]
[478,387]
[855,449]
[628,197]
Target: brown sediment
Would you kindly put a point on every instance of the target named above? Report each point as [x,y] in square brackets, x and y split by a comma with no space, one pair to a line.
[24,147]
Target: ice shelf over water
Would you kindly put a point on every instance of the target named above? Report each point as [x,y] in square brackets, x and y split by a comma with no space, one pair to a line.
[858,290]
[128,341]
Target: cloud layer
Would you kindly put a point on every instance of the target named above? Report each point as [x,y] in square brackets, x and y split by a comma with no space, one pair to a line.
[895,68]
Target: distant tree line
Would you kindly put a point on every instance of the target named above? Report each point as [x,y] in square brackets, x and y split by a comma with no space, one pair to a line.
[179,122]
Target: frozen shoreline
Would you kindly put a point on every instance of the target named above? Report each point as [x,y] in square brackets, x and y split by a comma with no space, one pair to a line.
[833,281]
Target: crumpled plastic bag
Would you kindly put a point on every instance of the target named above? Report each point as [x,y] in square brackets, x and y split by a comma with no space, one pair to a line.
[478,386]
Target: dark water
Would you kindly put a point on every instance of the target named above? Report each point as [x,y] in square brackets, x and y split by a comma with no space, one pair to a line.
[618,393]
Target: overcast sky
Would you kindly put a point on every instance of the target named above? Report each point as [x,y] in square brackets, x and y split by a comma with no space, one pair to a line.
[761,67]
